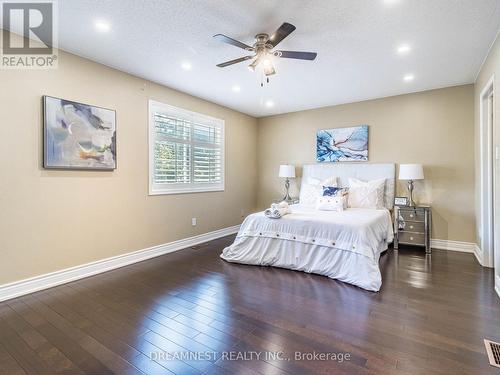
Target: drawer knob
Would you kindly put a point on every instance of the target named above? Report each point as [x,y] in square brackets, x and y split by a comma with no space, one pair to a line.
[411,238]
[411,226]
[411,215]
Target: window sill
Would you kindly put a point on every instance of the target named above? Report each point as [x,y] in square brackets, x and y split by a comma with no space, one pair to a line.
[185,191]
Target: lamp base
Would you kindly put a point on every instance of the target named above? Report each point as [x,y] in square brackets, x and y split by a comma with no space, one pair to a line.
[287,196]
[411,202]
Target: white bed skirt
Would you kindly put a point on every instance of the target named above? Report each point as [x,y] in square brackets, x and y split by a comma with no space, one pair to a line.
[346,266]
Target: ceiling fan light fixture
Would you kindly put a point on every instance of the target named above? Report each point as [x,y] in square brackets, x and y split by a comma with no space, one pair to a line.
[254,64]
[269,70]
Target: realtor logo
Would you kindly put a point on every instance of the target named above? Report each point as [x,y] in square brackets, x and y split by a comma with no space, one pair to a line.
[30,42]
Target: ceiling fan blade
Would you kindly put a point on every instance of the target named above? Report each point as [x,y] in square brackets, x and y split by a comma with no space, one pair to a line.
[280,34]
[296,55]
[225,39]
[235,61]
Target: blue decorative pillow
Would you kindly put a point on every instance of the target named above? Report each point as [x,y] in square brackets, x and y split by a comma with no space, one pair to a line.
[331,191]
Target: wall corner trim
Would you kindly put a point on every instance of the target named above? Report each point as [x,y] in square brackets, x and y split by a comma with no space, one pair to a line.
[49,280]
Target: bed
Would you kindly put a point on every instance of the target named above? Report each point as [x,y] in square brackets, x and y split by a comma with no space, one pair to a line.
[341,245]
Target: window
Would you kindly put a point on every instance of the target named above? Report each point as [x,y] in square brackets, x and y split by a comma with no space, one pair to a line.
[186,151]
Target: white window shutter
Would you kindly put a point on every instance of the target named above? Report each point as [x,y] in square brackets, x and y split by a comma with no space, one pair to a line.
[187,152]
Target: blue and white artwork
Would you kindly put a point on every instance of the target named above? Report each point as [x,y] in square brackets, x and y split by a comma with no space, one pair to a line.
[342,144]
[78,136]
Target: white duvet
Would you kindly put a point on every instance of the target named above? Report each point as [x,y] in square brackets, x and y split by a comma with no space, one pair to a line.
[341,245]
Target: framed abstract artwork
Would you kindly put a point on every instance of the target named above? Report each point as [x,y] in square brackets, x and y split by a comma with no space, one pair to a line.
[342,144]
[78,136]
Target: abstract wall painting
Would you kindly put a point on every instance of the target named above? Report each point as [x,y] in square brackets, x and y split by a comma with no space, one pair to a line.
[342,144]
[78,136]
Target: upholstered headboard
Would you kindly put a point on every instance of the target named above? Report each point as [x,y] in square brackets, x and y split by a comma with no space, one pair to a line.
[361,171]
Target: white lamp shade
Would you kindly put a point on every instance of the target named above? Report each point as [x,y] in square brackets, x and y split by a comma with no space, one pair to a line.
[287,171]
[411,172]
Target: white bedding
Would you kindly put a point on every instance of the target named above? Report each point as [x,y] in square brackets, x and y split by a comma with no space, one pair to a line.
[341,245]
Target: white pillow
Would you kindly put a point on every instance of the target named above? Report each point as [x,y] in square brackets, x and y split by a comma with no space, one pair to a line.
[330,203]
[369,194]
[312,188]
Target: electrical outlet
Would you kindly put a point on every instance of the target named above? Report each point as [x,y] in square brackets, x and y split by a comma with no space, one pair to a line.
[242,212]
[193,221]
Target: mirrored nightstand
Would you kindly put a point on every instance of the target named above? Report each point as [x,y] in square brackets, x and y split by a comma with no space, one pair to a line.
[412,226]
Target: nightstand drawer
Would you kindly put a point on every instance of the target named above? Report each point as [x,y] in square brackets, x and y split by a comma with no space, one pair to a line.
[411,226]
[411,238]
[412,215]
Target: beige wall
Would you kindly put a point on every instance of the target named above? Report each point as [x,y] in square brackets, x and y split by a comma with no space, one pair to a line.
[50,220]
[435,128]
[490,67]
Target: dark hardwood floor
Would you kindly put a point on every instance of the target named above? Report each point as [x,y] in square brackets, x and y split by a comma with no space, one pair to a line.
[429,318]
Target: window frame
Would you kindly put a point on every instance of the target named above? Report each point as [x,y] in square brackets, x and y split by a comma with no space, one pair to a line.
[181,188]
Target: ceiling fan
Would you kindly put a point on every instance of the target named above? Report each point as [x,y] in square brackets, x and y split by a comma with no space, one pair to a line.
[264,52]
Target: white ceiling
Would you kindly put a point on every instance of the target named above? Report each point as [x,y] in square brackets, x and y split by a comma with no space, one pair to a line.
[356,42]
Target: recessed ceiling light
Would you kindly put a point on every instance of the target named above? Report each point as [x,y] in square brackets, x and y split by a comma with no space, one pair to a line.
[409,77]
[236,88]
[186,65]
[102,26]
[269,103]
[403,49]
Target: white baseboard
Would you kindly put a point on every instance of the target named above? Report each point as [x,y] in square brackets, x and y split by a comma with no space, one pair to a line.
[464,247]
[497,284]
[479,255]
[22,287]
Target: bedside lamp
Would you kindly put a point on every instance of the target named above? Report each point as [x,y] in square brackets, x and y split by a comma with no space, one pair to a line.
[287,171]
[411,172]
